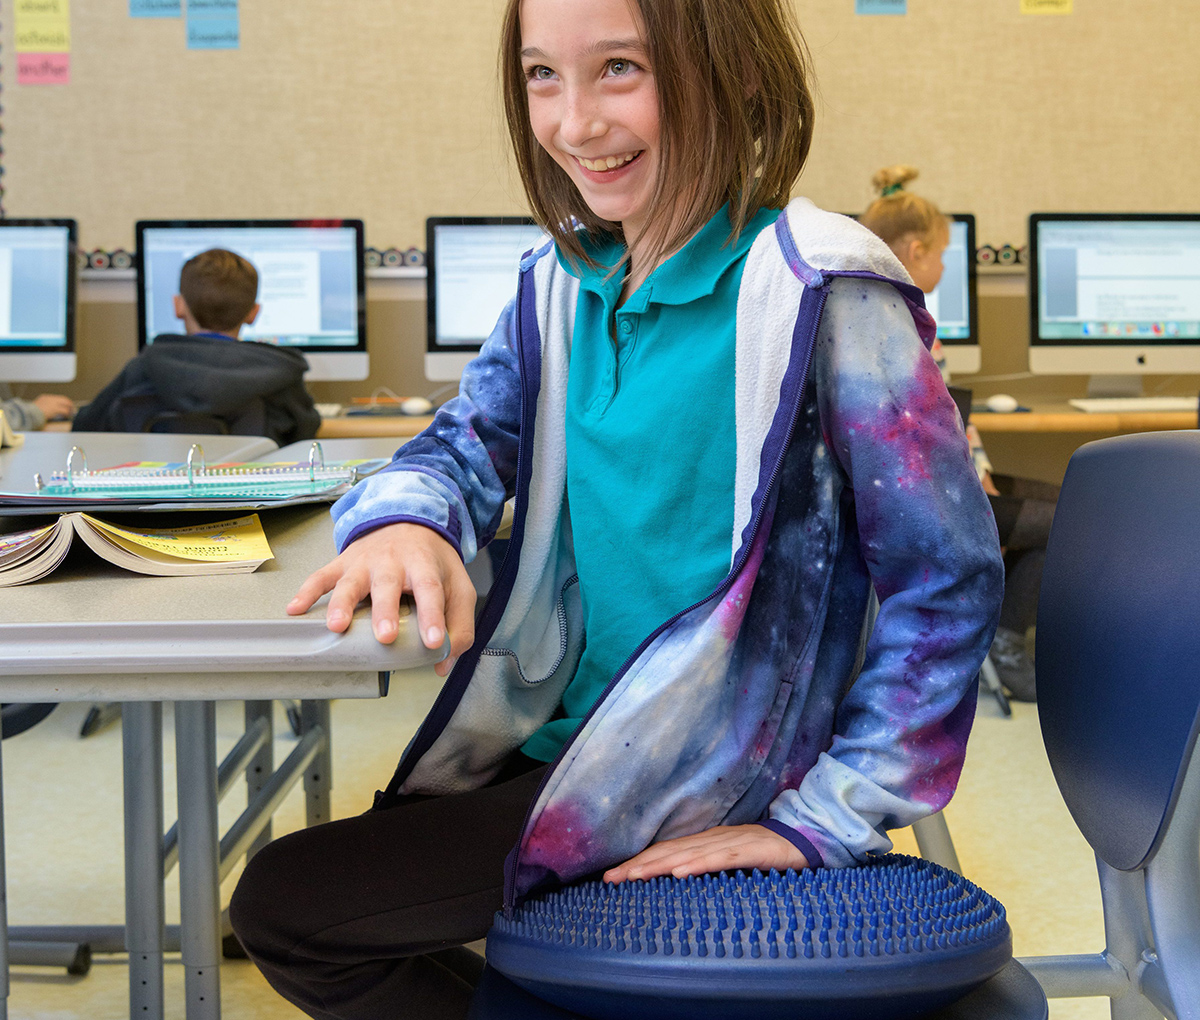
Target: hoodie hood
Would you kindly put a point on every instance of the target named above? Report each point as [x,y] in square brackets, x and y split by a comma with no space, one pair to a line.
[199,373]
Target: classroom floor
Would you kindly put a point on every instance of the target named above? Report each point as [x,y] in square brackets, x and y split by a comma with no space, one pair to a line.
[63,820]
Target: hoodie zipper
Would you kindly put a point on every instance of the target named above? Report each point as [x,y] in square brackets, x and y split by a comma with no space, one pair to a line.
[512,864]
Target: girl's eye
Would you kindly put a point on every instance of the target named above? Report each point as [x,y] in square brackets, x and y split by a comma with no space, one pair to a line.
[620,67]
[539,72]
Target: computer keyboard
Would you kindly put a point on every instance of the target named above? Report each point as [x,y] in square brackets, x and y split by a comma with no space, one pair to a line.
[1131,405]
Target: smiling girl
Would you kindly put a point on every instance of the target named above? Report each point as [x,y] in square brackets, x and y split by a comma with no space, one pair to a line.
[670,675]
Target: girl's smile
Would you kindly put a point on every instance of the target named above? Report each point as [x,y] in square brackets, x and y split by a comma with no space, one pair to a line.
[593,104]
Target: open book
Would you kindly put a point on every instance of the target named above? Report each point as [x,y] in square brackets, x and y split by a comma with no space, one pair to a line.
[7,436]
[227,547]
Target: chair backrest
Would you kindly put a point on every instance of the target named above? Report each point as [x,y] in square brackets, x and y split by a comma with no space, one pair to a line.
[146,412]
[1118,638]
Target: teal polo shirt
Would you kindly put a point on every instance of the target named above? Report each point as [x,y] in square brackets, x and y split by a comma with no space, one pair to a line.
[651,449]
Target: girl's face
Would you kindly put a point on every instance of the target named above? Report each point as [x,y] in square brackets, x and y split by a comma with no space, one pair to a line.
[593,105]
[923,259]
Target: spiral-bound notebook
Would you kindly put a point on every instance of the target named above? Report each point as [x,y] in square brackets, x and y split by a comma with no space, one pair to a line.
[187,485]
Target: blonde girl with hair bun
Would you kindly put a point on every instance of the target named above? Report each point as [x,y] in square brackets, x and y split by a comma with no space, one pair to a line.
[914,228]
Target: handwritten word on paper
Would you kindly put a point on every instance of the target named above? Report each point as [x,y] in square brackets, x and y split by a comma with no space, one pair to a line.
[155,8]
[213,25]
[42,26]
[43,68]
[42,34]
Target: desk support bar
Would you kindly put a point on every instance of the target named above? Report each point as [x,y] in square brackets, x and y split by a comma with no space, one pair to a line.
[141,739]
[199,884]
[235,762]
[243,833]
[3,914]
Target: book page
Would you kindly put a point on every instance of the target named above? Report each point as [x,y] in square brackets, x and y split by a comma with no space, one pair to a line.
[7,436]
[234,541]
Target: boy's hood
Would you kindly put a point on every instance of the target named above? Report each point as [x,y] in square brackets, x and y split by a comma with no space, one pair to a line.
[206,373]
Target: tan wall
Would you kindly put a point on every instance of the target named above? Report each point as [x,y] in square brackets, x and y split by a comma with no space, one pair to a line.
[387,109]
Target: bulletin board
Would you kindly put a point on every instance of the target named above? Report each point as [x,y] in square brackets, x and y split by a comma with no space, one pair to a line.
[389,110]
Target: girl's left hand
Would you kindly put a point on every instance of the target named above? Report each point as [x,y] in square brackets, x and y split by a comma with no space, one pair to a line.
[724,847]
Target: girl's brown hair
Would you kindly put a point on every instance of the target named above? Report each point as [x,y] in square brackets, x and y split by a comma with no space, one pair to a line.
[897,214]
[735,111]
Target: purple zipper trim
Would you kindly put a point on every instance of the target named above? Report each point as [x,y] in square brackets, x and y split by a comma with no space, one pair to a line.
[529,350]
[793,836]
[808,317]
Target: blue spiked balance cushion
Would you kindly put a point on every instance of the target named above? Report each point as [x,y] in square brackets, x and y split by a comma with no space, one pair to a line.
[893,939]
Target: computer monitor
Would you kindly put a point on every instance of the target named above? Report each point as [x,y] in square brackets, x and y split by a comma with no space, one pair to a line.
[37,300]
[471,266]
[311,284]
[952,303]
[1114,296]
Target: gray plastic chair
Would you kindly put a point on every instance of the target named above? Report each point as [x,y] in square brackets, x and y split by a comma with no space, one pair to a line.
[1119,702]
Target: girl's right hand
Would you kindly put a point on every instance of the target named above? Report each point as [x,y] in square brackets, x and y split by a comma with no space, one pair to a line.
[384,564]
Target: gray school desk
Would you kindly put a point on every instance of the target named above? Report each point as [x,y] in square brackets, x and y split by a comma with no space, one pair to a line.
[91,632]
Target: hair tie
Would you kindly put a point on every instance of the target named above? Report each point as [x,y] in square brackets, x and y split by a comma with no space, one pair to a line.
[891,189]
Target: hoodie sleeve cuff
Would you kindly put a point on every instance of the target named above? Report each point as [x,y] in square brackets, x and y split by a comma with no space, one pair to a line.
[811,854]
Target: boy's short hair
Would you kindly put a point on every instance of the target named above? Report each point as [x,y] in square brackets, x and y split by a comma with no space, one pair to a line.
[735,109]
[219,288]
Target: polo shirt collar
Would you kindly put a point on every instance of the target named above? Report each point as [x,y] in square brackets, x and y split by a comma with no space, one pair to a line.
[689,274]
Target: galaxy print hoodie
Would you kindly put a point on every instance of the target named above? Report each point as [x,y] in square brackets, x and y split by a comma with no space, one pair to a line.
[768,701]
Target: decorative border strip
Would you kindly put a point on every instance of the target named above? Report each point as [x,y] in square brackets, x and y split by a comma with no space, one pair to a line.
[393,258]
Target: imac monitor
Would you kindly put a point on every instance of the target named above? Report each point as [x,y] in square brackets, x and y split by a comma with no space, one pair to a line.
[952,303]
[37,300]
[1114,296]
[471,265]
[311,284]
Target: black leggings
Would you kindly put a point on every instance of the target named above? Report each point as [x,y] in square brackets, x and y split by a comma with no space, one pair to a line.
[1023,512]
[362,918]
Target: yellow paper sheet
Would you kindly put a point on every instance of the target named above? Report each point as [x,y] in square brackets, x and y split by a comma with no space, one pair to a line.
[42,26]
[1047,6]
[223,542]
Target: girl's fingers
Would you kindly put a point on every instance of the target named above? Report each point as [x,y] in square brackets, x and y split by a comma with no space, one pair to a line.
[460,613]
[430,595]
[386,588]
[314,586]
[347,594]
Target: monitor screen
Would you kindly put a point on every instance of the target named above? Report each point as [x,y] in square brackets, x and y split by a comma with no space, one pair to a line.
[310,284]
[37,300]
[1117,278]
[471,266]
[952,303]
[1124,288]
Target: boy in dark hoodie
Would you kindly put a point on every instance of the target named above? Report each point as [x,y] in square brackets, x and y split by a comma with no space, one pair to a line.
[258,389]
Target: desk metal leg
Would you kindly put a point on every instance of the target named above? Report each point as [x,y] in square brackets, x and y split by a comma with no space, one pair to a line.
[318,778]
[261,765]
[141,739]
[3,913]
[199,881]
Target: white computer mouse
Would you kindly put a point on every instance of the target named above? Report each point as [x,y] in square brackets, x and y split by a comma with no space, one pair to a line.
[1001,403]
[416,405]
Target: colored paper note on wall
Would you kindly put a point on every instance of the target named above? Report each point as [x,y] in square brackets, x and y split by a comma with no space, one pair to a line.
[42,26]
[1046,6]
[213,25]
[155,8]
[43,68]
[880,6]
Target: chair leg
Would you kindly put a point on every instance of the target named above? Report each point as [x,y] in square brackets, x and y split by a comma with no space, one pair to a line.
[989,679]
[934,842]
[1173,902]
